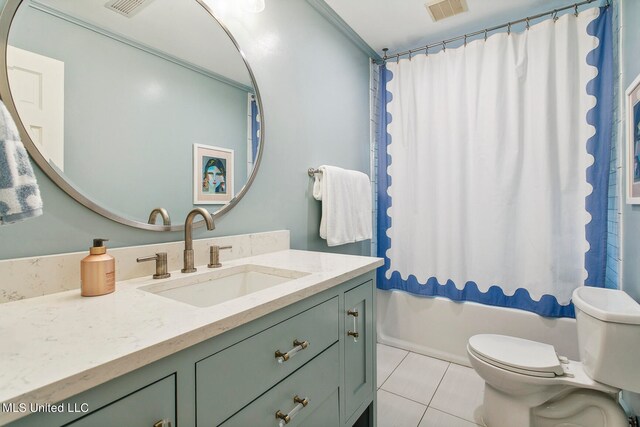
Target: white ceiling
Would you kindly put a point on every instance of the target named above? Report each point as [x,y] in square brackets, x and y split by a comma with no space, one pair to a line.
[182,29]
[406,24]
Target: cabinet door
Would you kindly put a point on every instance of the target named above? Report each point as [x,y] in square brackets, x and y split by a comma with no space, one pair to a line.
[143,408]
[358,346]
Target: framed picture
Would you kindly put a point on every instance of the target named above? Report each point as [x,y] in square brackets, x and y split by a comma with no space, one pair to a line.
[212,175]
[633,142]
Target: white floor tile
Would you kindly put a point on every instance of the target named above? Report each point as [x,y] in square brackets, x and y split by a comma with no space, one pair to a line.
[460,393]
[416,378]
[435,418]
[388,359]
[396,411]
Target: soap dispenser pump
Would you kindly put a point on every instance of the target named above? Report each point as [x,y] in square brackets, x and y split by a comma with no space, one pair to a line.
[97,271]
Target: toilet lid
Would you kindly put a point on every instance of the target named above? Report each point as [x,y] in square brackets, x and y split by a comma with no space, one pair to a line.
[517,354]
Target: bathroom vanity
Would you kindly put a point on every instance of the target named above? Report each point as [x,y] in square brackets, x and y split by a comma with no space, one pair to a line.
[299,352]
[272,337]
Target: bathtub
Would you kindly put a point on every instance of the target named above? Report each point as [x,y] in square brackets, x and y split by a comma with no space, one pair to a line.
[440,328]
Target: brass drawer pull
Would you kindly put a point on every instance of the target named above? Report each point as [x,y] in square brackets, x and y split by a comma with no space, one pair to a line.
[286,418]
[162,423]
[297,346]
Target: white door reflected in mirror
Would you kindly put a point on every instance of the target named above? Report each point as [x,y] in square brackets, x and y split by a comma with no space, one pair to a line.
[37,88]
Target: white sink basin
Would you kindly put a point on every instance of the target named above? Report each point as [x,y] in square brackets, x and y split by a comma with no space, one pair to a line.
[217,286]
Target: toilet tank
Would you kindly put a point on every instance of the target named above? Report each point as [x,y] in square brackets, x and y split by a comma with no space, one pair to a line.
[608,323]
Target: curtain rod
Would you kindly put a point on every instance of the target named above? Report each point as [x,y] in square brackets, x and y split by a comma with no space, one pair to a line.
[508,25]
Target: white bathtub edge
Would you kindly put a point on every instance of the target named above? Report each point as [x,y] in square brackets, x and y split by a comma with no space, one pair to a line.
[440,328]
[420,349]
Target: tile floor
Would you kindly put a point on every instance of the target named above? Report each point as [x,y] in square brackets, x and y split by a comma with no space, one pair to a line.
[420,391]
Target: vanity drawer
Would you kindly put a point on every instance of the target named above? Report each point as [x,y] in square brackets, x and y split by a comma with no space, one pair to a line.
[317,382]
[145,407]
[232,378]
[327,415]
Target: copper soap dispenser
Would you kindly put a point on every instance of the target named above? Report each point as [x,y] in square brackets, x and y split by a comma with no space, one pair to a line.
[97,271]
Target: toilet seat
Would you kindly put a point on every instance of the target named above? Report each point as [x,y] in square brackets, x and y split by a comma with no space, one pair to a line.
[518,355]
[573,372]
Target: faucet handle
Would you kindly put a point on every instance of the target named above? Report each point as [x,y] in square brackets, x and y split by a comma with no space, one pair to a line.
[161,264]
[214,255]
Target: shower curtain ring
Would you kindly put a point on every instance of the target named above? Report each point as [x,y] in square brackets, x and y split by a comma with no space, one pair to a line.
[397,58]
[465,40]
[528,25]
[485,35]
[426,50]
[575,7]
[410,55]
[444,46]
[509,29]
[555,15]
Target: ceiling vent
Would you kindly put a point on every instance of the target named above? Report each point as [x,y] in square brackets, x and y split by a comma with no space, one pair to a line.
[442,9]
[127,8]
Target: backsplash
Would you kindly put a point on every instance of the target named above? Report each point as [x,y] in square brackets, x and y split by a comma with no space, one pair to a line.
[42,275]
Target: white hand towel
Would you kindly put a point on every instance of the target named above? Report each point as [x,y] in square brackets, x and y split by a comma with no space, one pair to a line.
[19,193]
[346,205]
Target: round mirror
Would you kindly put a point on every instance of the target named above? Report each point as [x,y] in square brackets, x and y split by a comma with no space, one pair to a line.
[133,105]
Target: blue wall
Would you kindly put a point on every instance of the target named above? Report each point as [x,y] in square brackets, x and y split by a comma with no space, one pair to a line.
[630,33]
[629,62]
[314,83]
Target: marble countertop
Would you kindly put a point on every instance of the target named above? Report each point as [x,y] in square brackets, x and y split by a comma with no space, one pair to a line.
[59,345]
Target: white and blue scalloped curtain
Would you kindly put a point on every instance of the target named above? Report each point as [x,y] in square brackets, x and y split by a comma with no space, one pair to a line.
[255,129]
[494,184]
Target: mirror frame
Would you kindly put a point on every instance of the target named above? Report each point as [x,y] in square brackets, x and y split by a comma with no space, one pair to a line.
[6,18]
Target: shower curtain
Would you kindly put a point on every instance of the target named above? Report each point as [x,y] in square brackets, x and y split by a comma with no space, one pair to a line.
[494,164]
[255,129]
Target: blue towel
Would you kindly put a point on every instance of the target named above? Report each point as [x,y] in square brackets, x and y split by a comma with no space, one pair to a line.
[19,193]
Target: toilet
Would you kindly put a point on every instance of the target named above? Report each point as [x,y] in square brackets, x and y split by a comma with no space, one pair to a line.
[528,385]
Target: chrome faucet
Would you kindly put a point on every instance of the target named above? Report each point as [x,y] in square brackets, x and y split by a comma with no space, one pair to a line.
[188,239]
[153,216]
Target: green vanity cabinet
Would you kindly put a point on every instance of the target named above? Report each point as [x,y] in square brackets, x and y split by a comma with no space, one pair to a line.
[301,363]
